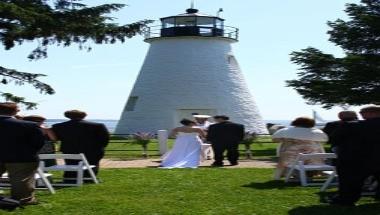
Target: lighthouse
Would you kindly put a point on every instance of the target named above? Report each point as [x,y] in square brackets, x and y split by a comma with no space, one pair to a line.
[189,69]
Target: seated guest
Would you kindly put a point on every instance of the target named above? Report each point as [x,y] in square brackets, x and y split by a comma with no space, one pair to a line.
[49,147]
[331,127]
[80,136]
[301,137]
[20,142]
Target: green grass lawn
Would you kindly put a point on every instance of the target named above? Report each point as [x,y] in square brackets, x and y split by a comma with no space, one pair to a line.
[189,191]
[209,191]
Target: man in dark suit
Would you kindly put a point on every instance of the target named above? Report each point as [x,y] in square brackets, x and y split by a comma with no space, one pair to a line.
[358,155]
[80,136]
[225,135]
[331,127]
[20,142]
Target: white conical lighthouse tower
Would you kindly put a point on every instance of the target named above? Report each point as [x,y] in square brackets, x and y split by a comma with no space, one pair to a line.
[189,68]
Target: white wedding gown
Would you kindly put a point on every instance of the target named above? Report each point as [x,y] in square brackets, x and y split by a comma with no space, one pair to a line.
[186,152]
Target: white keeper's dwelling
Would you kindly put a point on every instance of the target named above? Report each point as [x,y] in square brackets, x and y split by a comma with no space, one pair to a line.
[189,68]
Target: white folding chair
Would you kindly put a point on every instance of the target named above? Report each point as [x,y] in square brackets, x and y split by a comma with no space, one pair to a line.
[79,168]
[332,175]
[40,176]
[300,166]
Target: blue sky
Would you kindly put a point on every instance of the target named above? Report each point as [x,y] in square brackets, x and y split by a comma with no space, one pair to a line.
[99,81]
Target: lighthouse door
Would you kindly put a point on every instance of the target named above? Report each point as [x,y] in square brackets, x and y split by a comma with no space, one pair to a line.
[188,114]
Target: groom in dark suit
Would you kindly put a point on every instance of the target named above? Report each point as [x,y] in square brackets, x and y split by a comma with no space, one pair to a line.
[225,135]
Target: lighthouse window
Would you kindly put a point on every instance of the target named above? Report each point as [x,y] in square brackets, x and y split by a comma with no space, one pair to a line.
[232,60]
[131,103]
[205,22]
[168,23]
[185,21]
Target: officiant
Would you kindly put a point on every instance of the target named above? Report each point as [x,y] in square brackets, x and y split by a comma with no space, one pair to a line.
[202,121]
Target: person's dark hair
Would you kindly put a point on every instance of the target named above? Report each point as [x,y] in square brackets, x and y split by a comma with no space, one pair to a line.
[223,117]
[371,109]
[347,115]
[75,114]
[187,122]
[8,108]
[304,122]
[34,118]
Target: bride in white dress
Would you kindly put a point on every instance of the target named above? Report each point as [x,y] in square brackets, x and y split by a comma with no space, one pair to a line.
[186,152]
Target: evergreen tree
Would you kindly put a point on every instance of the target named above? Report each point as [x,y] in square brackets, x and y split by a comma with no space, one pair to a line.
[350,80]
[55,22]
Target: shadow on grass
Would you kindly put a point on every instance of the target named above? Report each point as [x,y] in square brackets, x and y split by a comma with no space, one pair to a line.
[365,209]
[271,185]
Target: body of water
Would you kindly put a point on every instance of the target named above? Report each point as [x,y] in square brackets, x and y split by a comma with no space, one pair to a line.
[111,123]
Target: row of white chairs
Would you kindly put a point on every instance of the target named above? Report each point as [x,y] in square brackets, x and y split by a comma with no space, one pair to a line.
[298,167]
[43,174]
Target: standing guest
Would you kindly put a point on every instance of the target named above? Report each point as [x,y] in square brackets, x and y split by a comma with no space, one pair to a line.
[49,146]
[20,142]
[225,135]
[358,155]
[80,136]
[302,137]
[331,127]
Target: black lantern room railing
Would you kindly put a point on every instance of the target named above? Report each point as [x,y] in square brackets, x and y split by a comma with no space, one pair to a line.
[202,31]
[192,23]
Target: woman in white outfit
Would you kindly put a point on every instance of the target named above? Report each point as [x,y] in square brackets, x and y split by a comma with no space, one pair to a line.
[186,151]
